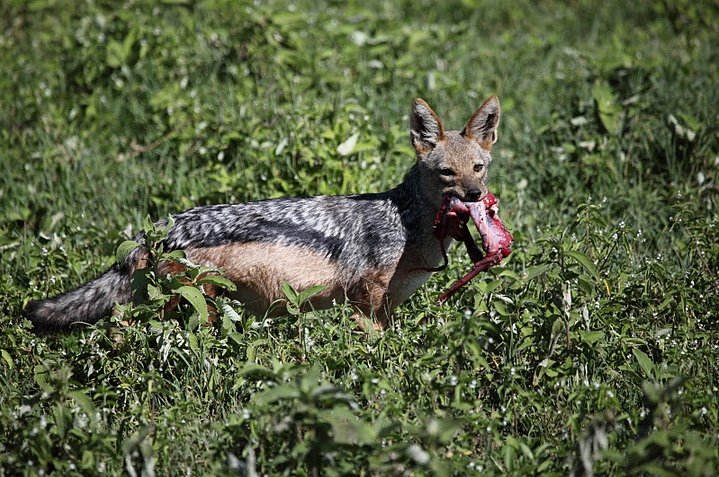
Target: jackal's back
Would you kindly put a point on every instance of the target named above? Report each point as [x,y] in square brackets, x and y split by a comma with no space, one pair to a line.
[358,232]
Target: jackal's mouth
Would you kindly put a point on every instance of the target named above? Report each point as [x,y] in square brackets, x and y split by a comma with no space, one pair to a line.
[455,213]
[451,221]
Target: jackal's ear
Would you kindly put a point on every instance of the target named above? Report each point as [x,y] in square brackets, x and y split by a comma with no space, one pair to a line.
[482,126]
[426,129]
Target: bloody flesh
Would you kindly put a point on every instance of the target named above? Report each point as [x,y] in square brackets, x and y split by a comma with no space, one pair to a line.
[451,221]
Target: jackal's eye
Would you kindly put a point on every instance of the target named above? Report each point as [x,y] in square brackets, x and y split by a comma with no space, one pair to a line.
[478,167]
[447,172]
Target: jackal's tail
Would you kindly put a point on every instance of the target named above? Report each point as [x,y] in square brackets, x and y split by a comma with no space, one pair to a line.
[86,304]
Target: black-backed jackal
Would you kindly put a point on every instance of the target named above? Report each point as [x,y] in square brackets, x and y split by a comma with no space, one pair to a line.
[371,250]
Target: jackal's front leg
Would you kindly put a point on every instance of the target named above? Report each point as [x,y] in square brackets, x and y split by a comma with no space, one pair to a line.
[371,299]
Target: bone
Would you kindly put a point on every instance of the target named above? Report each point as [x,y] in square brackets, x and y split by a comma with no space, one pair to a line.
[495,236]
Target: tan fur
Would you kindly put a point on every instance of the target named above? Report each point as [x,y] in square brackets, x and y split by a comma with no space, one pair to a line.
[259,270]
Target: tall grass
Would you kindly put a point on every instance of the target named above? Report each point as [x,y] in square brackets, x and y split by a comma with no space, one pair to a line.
[593,348]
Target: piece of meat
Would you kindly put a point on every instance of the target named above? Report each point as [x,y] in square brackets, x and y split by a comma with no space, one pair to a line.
[495,236]
[452,221]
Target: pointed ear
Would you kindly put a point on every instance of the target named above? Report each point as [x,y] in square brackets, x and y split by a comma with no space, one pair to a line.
[482,126]
[426,129]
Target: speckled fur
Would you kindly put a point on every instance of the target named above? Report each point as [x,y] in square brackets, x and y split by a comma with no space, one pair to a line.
[373,247]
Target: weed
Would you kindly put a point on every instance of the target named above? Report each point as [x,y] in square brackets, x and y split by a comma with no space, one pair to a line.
[591,350]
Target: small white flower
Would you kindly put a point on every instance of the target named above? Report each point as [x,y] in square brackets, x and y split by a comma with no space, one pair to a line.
[418,454]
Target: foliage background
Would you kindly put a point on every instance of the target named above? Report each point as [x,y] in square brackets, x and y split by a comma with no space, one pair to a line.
[592,349]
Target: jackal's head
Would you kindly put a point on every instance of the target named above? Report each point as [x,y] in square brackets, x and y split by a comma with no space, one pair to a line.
[454,162]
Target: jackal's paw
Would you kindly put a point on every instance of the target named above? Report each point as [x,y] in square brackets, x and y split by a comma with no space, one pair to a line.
[367,325]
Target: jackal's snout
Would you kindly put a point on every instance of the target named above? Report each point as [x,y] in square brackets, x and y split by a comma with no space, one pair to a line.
[474,195]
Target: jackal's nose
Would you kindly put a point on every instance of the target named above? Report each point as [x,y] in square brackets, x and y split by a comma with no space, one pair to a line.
[473,195]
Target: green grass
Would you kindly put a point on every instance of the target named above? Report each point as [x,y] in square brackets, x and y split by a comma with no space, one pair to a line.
[594,345]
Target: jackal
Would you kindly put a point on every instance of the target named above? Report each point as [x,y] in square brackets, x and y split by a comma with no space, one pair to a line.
[370,250]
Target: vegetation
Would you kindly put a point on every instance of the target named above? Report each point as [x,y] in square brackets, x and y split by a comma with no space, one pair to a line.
[592,349]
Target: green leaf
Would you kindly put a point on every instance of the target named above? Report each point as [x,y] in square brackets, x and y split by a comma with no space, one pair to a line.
[544,466]
[644,361]
[230,313]
[192,339]
[533,272]
[310,379]
[88,460]
[119,54]
[40,374]
[114,55]
[124,250]
[501,307]
[348,146]
[196,299]
[277,393]
[590,337]
[510,457]
[62,419]
[443,429]
[236,337]
[607,106]
[585,261]
[258,372]
[7,358]
[347,428]
[477,355]
[85,403]
[309,292]
[219,281]
[289,292]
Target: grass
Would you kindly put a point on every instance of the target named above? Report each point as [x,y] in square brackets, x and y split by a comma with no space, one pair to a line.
[593,348]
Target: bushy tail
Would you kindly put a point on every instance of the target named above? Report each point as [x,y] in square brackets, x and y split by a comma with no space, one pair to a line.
[86,304]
